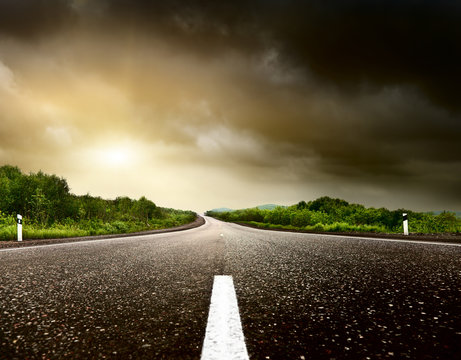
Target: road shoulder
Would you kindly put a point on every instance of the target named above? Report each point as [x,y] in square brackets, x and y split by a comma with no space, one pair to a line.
[442,238]
[199,221]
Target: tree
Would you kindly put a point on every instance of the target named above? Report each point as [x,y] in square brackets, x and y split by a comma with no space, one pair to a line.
[301,205]
[447,222]
[11,183]
[144,209]
[56,191]
[327,204]
[10,172]
[124,207]
[39,207]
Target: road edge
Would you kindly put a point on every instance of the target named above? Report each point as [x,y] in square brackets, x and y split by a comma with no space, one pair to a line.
[199,221]
[442,238]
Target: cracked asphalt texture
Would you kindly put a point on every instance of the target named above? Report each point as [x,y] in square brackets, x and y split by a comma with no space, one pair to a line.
[301,296]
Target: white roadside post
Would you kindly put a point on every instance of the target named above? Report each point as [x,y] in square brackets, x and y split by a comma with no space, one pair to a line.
[19,227]
[405,224]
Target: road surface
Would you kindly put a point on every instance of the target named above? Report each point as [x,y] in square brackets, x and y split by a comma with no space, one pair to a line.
[300,296]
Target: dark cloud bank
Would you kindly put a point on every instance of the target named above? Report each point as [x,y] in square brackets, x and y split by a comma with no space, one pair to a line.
[386,74]
[345,42]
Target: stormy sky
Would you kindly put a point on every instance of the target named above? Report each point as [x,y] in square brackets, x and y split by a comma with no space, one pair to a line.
[202,104]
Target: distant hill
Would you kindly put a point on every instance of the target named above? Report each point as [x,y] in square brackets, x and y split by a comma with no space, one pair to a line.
[438,212]
[269,206]
[260,207]
[223,209]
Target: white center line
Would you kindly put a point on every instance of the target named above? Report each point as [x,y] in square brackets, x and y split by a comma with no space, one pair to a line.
[224,336]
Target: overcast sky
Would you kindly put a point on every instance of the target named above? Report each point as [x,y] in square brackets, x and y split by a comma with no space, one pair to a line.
[203,104]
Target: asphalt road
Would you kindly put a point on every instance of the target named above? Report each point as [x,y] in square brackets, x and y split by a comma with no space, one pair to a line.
[301,296]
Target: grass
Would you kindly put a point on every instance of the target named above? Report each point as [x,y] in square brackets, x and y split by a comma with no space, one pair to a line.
[335,227]
[8,231]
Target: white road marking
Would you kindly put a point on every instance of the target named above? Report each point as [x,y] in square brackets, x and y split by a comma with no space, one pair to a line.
[224,336]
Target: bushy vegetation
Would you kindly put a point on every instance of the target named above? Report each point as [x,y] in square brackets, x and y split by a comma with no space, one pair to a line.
[49,210]
[336,215]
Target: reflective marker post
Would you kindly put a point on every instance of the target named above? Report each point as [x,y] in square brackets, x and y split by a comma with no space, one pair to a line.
[405,224]
[19,221]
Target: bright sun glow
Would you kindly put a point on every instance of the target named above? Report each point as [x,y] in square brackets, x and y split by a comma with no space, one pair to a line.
[116,156]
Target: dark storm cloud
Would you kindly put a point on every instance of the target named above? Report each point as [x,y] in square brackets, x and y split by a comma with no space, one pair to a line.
[384,42]
[203,27]
[345,42]
[28,19]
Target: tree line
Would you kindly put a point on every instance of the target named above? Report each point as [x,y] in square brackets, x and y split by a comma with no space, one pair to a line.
[331,214]
[45,200]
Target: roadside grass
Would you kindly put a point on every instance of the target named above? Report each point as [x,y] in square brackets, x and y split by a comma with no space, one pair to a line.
[8,232]
[72,228]
[335,227]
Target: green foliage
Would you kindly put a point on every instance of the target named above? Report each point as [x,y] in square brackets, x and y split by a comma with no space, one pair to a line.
[446,222]
[49,209]
[336,215]
[301,205]
[327,204]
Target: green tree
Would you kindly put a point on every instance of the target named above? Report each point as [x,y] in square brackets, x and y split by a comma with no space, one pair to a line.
[447,222]
[327,204]
[144,209]
[56,191]
[39,207]
[124,207]
[11,182]
[301,205]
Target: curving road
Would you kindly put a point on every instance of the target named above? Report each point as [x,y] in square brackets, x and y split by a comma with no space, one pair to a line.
[301,296]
